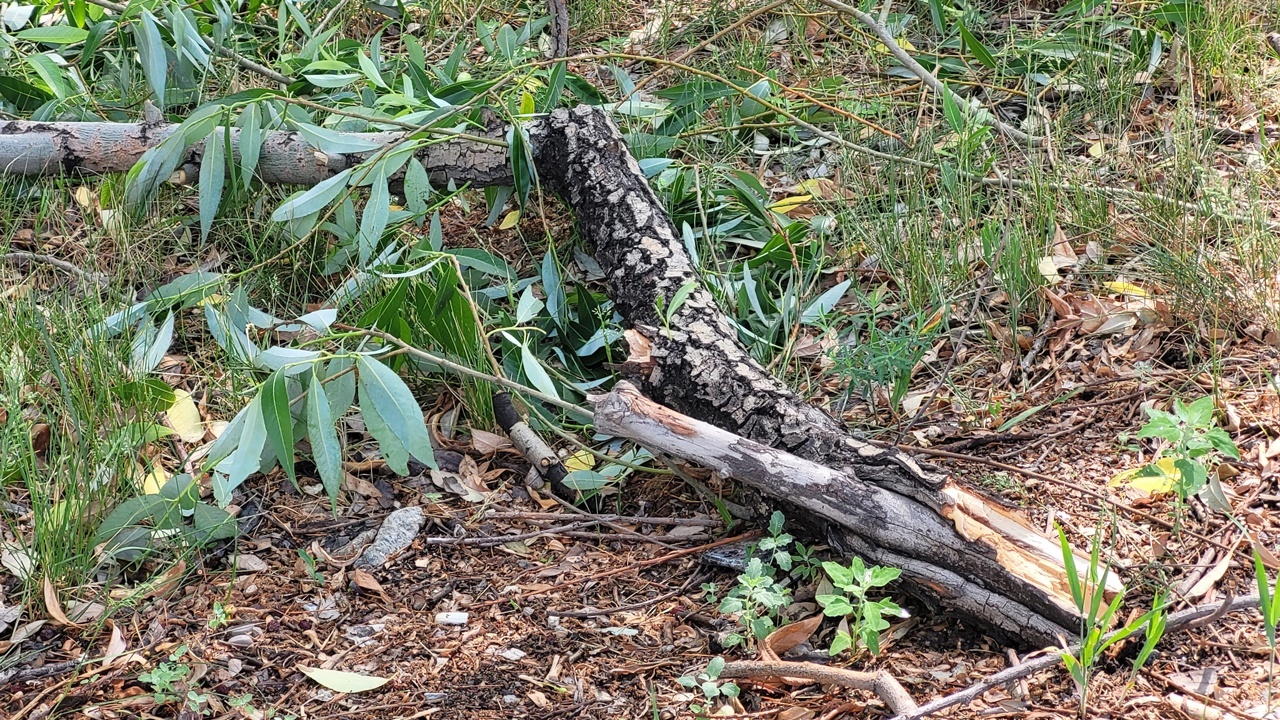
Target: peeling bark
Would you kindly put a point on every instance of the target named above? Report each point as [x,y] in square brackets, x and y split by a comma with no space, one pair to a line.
[955,548]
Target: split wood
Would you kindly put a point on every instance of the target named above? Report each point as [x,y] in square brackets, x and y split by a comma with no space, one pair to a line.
[881,683]
[1176,622]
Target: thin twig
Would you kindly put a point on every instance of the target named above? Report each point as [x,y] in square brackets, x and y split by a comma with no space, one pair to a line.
[1176,622]
[882,683]
[97,279]
[925,76]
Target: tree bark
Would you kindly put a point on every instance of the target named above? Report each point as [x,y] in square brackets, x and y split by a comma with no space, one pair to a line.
[955,548]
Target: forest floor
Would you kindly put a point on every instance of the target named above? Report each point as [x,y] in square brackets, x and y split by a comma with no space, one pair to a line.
[1024,371]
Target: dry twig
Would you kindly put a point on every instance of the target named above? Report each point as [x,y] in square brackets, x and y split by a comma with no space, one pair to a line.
[881,683]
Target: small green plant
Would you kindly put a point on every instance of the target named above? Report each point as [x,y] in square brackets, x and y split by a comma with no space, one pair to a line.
[219,616]
[709,682]
[756,599]
[775,546]
[309,563]
[712,592]
[1269,604]
[868,615]
[1195,444]
[1089,595]
[166,677]
[1154,631]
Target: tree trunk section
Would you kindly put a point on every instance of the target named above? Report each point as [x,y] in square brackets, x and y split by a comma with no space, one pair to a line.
[955,548]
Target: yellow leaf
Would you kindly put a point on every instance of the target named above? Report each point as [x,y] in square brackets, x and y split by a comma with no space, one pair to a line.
[510,220]
[154,480]
[1152,485]
[1097,149]
[184,417]
[582,460]
[396,208]
[903,43]
[526,104]
[1121,287]
[786,205]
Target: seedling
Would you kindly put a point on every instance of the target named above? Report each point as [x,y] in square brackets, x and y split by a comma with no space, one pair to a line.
[868,615]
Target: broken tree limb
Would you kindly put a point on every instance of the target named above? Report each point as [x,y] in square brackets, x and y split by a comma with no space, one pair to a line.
[958,550]
[49,148]
[970,556]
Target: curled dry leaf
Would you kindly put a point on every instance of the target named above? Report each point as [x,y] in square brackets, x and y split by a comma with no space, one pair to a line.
[53,606]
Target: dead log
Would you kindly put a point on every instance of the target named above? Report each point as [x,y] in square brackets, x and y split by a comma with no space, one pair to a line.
[955,548]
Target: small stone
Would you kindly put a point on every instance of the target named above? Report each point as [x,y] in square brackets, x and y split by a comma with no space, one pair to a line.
[452,618]
[397,531]
[510,699]
[513,654]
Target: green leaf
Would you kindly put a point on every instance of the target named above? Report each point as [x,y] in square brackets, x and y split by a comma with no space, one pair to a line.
[314,200]
[679,298]
[340,386]
[370,70]
[528,307]
[535,372]
[52,74]
[1193,476]
[151,49]
[129,513]
[1073,576]
[338,143]
[715,667]
[389,443]
[521,162]
[417,188]
[343,682]
[25,96]
[54,35]
[835,605]
[555,88]
[279,421]
[585,480]
[396,406]
[326,452]
[843,641]
[979,50]
[839,574]
[955,116]
[213,523]
[246,459]
[250,142]
[213,172]
[820,307]
[373,222]
[1222,442]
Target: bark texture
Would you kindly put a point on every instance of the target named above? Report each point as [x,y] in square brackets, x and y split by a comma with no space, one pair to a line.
[955,548]
[48,148]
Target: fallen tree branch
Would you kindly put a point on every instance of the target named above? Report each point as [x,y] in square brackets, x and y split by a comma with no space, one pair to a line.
[1176,622]
[531,445]
[925,76]
[559,27]
[881,683]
